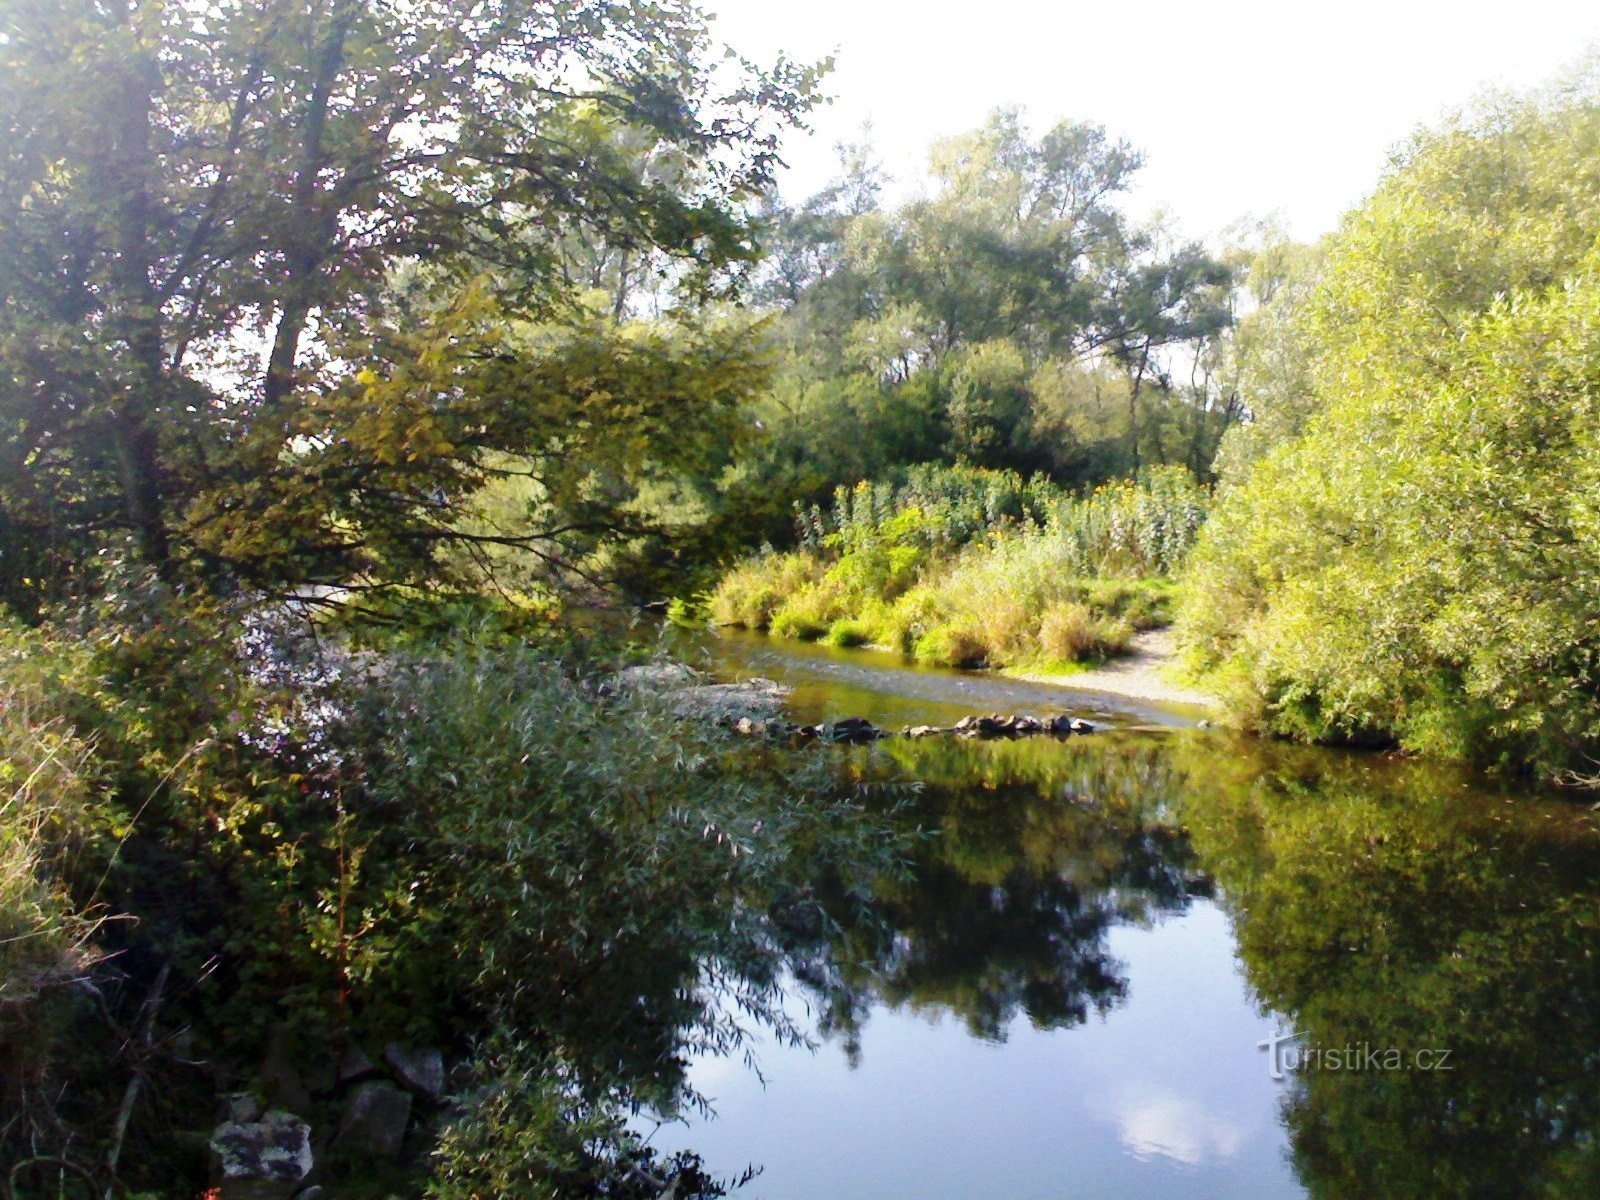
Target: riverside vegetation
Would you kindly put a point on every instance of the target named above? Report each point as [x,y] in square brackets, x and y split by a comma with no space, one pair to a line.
[971,567]
[330,413]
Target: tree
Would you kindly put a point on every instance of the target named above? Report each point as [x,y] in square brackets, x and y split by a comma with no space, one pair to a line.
[204,206]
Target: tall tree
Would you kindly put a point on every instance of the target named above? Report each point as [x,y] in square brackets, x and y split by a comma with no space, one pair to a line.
[202,206]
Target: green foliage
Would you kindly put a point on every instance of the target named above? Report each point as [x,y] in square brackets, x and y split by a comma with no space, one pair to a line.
[1418,567]
[751,592]
[937,507]
[187,180]
[308,839]
[1391,904]
[533,1134]
[1128,530]
[849,633]
[965,567]
[46,779]
[1012,318]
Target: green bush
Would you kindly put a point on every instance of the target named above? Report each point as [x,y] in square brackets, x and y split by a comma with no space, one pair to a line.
[1074,633]
[750,593]
[849,633]
[951,646]
[323,831]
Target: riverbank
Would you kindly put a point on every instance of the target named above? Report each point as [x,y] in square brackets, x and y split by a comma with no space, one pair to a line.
[1141,674]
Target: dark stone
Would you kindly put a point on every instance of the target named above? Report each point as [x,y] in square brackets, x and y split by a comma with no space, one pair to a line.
[375,1120]
[420,1072]
[1079,725]
[356,1067]
[1061,724]
[853,729]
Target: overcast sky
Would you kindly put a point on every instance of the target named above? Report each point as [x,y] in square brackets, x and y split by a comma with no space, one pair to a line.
[1241,106]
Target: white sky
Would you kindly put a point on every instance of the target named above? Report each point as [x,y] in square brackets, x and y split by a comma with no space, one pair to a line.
[1241,106]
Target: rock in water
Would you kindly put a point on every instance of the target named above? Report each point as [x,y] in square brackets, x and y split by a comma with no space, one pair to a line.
[853,729]
[375,1121]
[264,1159]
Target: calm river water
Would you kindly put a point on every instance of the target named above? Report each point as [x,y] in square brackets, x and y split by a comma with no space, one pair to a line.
[1160,961]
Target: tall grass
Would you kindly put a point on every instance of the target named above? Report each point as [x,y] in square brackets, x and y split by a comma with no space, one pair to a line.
[958,503]
[959,568]
[43,812]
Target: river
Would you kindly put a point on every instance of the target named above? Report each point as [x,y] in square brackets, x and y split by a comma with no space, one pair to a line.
[1162,961]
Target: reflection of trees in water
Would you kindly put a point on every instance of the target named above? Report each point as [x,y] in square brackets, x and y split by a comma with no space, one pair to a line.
[1392,905]
[1032,852]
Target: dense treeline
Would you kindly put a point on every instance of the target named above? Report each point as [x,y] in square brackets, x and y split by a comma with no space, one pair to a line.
[1011,318]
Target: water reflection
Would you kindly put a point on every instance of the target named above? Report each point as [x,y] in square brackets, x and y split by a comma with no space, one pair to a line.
[1394,906]
[1066,993]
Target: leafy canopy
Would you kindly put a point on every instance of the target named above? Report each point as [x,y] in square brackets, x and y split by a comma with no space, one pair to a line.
[204,213]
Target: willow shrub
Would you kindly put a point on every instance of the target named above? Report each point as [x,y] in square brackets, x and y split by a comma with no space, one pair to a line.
[1420,565]
[1424,566]
[455,845]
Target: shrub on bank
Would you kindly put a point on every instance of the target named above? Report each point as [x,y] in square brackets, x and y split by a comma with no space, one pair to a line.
[434,845]
[46,938]
[749,594]
[1420,564]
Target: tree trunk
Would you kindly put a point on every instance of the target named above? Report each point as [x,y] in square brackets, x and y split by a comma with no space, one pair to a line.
[310,246]
[138,406]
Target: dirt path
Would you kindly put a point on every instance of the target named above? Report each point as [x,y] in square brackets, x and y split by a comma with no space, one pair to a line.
[1139,675]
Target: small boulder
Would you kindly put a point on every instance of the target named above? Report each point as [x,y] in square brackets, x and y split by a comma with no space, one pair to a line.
[420,1072]
[263,1159]
[356,1067]
[375,1120]
[655,677]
